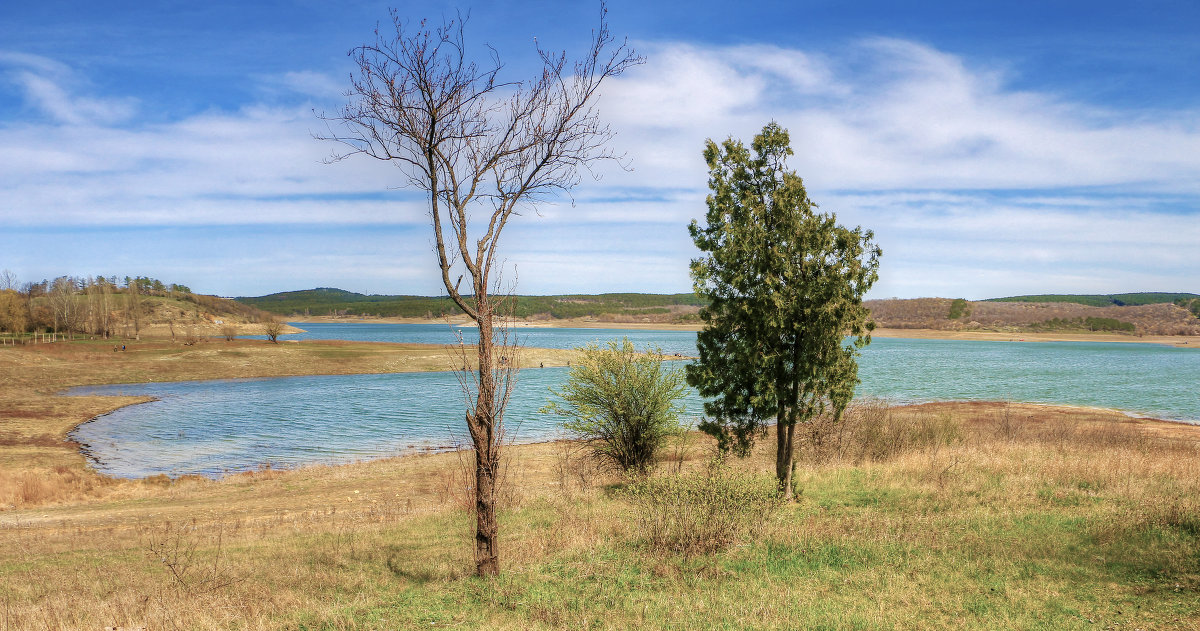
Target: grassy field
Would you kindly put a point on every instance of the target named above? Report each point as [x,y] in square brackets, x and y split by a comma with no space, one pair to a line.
[969,515]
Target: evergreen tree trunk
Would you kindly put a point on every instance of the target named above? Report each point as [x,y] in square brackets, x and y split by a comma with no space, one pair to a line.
[785,455]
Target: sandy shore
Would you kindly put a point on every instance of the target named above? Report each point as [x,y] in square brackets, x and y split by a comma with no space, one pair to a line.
[1182,341]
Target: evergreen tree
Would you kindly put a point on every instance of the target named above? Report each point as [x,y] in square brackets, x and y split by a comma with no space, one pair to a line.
[785,284]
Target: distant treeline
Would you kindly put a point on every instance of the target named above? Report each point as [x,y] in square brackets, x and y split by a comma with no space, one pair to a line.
[1107,300]
[665,307]
[1085,324]
[105,306]
[337,302]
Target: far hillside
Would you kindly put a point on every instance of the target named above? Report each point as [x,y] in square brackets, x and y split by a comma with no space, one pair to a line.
[631,307]
[1163,317]
[1126,314]
[1106,300]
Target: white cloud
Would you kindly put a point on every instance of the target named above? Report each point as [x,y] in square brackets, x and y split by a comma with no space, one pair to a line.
[903,115]
[48,86]
[313,84]
[972,187]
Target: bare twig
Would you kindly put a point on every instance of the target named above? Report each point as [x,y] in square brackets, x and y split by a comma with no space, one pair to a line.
[482,149]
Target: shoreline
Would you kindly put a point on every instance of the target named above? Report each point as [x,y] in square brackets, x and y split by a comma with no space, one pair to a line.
[1178,341]
[212,361]
[1157,425]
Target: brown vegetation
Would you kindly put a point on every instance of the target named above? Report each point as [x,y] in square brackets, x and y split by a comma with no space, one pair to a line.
[327,546]
[933,313]
[107,308]
[332,547]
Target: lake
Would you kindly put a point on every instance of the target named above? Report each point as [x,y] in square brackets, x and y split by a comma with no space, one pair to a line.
[671,342]
[216,427]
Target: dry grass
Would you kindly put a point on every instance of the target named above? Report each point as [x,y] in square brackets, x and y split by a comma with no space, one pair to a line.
[330,547]
[956,515]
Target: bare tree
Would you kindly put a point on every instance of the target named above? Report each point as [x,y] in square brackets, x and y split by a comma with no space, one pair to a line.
[134,305]
[66,309]
[272,328]
[99,304]
[12,312]
[481,149]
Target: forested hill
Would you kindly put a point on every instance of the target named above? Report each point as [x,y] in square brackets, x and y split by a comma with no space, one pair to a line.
[325,301]
[1136,313]
[1107,300]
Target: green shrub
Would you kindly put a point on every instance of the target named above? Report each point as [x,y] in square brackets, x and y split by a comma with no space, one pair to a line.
[959,309]
[1086,324]
[703,511]
[622,403]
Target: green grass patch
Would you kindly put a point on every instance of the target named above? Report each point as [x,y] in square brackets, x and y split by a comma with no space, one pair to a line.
[827,564]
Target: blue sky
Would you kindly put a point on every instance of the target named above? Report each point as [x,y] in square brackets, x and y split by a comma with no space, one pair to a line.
[994,148]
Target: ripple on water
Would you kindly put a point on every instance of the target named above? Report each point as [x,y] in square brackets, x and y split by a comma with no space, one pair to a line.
[215,427]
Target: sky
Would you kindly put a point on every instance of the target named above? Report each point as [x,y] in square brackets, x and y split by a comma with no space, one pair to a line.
[994,149]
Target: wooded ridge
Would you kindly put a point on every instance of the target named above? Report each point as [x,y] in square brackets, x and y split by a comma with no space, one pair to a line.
[1149,313]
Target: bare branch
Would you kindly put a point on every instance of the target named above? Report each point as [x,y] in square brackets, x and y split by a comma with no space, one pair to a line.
[480,148]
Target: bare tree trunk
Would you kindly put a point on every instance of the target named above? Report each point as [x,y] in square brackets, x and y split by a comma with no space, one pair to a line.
[477,144]
[487,387]
[483,427]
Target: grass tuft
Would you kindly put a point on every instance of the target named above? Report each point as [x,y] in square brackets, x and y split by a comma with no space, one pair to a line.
[703,511]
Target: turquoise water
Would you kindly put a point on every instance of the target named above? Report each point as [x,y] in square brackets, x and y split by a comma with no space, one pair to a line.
[215,427]
[671,342]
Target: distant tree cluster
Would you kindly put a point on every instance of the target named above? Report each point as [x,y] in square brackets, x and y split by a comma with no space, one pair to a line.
[1087,324]
[101,306]
[1104,300]
[959,308]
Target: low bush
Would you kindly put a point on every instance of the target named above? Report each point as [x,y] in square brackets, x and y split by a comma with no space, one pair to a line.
[959,308]
[1086,324]
[623,404]
[703,511]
